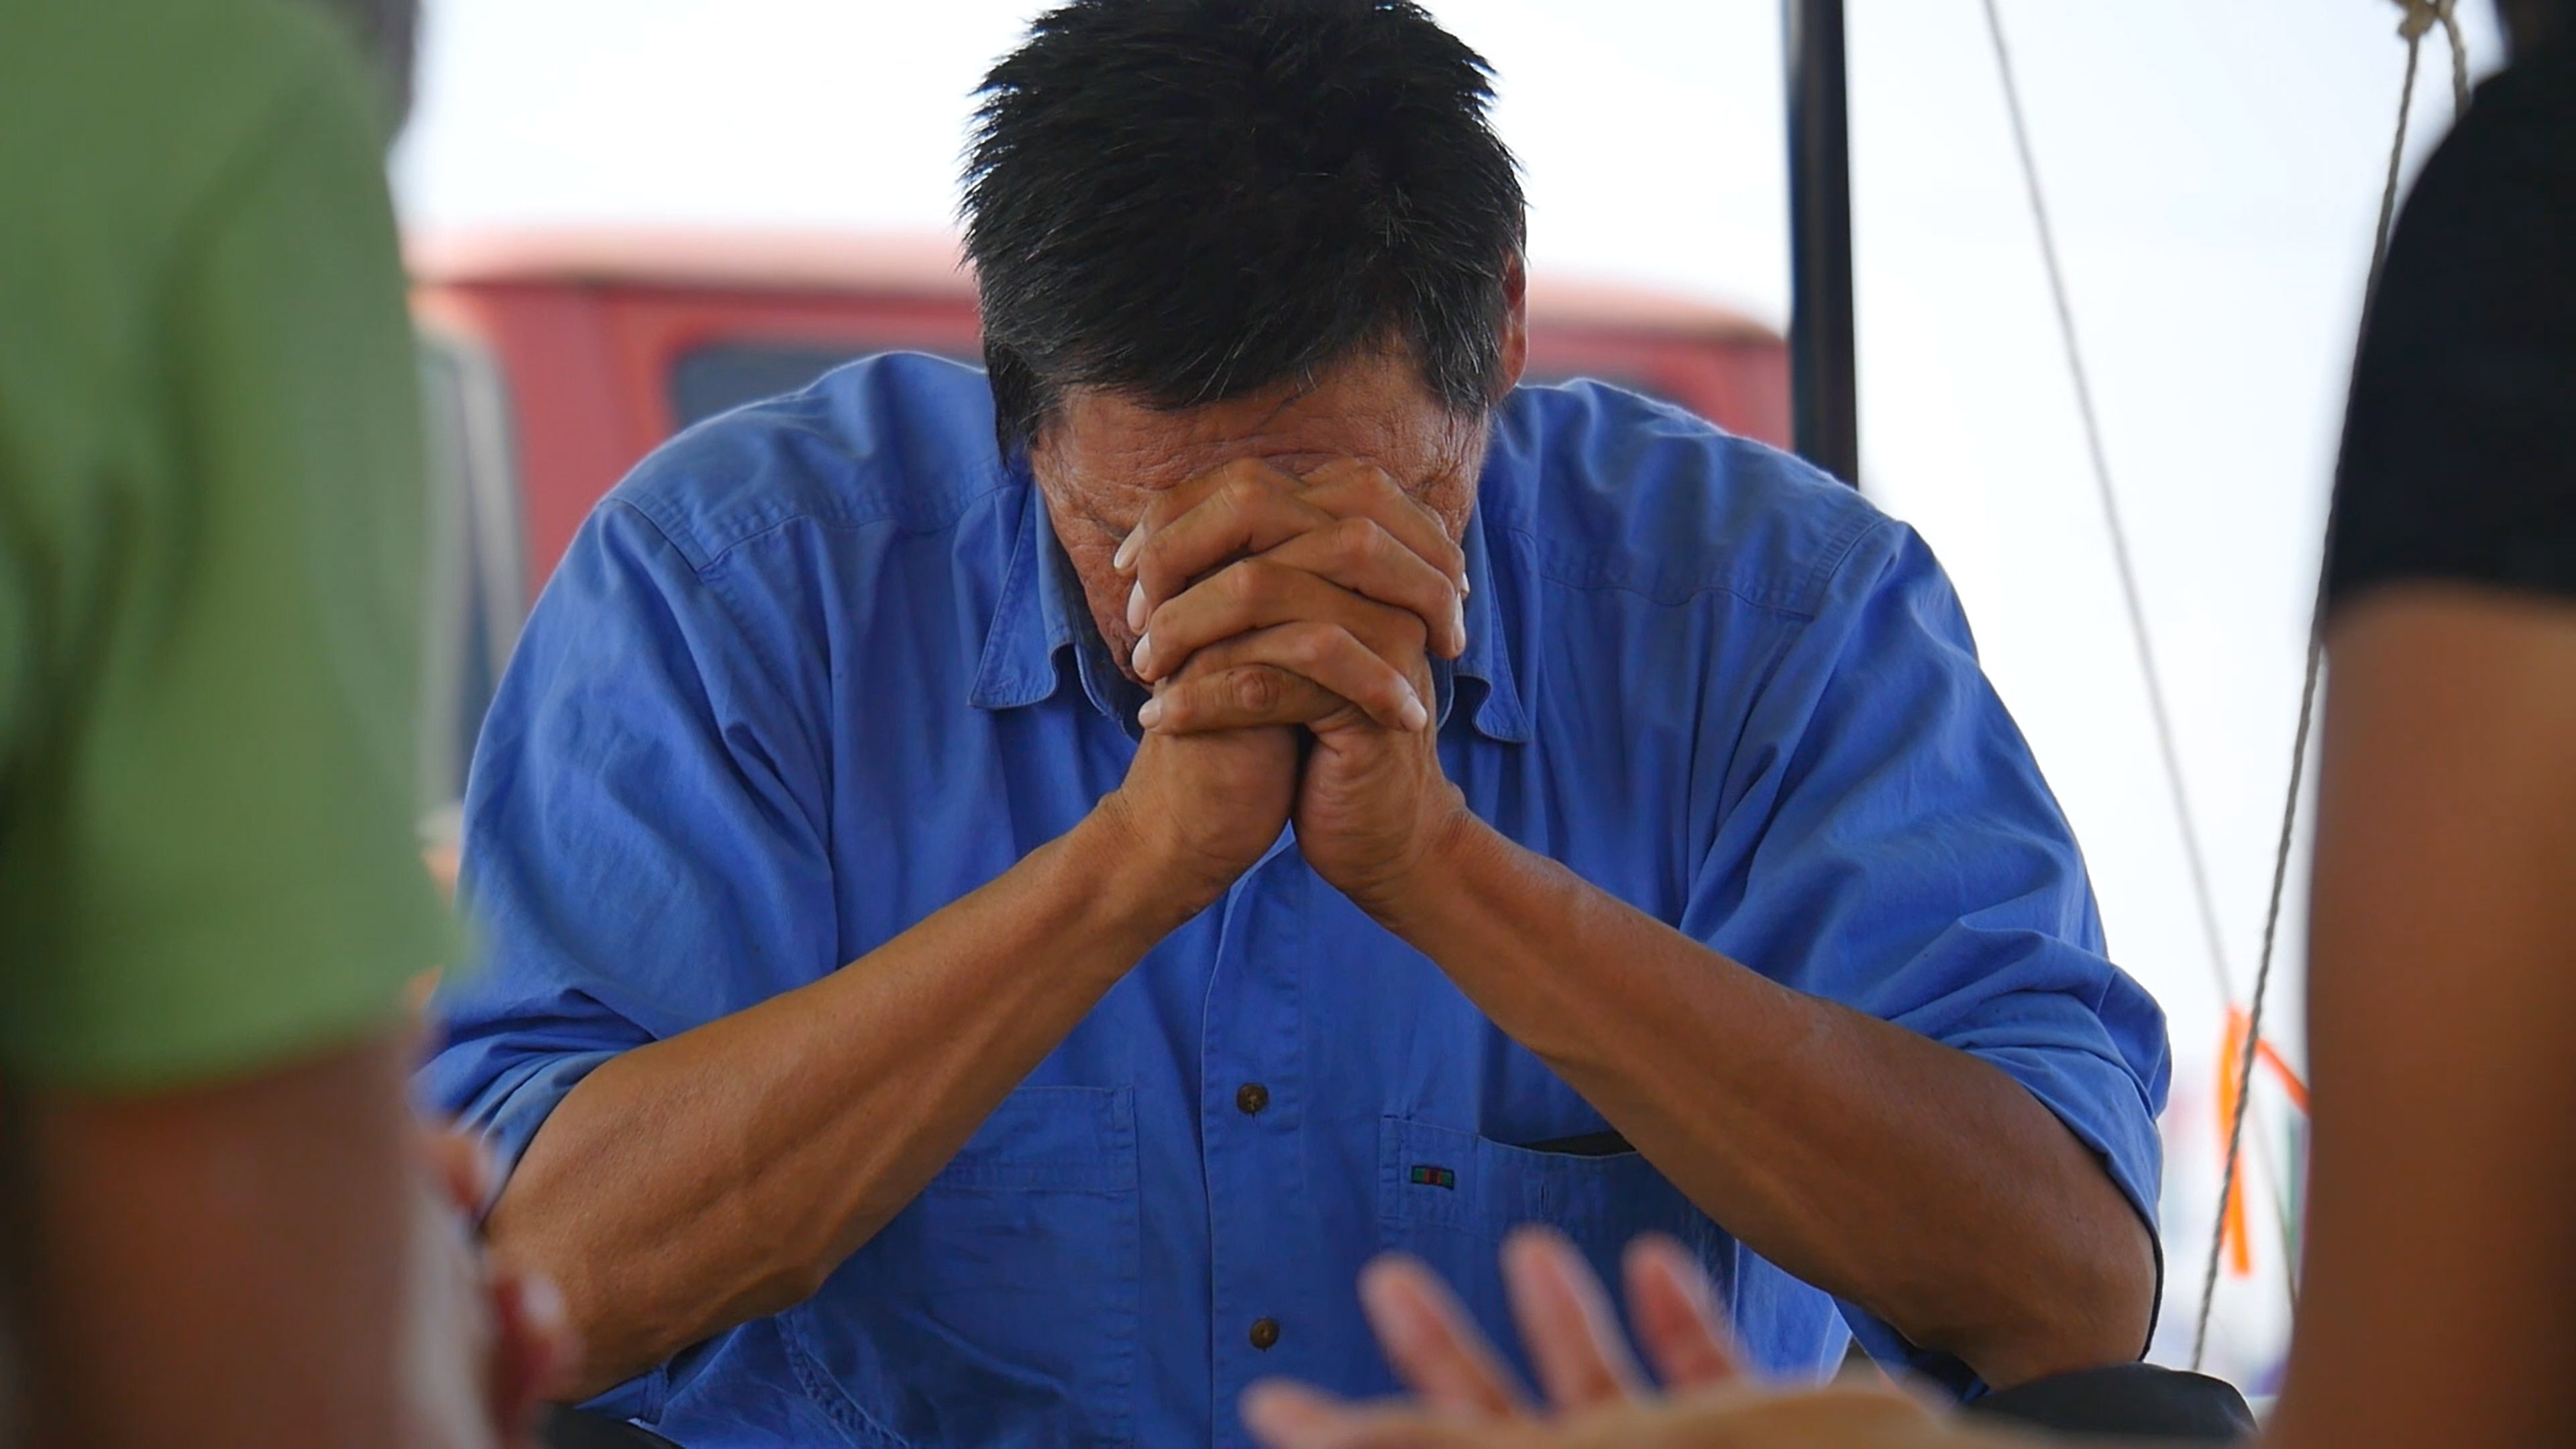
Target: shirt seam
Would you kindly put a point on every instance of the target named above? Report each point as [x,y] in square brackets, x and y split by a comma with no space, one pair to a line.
[1822,571]
[734,622]
[1732,790]
[704,562]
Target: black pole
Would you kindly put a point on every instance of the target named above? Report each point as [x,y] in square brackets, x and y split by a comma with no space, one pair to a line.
[1824,396]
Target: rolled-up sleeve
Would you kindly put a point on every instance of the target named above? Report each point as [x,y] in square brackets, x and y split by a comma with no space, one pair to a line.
[641,855]
[1885,840]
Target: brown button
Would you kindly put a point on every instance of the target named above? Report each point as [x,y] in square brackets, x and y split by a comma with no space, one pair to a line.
[1250,1098]
[1265,1333]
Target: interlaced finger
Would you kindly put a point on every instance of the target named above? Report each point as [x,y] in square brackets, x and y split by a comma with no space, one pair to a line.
[1243,477]
[1234,522]
[1361,556]
[1256,593]
[1249,507]
[1349,488]
[1304,672]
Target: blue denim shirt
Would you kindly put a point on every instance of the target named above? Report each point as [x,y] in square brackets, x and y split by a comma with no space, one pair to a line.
[819,668]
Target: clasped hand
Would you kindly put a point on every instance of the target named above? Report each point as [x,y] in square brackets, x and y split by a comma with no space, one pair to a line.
[1265,602]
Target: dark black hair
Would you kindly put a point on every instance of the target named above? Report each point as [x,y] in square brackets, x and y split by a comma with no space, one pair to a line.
[1190,200]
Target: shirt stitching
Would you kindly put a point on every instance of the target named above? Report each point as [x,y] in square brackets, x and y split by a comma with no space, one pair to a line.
[1819,574]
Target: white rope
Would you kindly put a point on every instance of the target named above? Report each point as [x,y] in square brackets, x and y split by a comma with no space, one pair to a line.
[2135,609]
[2169,753]
[2421,16]
[2184,820]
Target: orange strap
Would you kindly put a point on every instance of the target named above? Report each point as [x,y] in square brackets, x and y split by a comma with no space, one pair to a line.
[2232,1231]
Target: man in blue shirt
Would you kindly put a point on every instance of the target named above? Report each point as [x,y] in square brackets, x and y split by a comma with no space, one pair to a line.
[987,940]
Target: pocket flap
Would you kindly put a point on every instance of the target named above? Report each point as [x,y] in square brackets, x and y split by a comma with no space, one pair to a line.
[1050,1139]
[1440,1175]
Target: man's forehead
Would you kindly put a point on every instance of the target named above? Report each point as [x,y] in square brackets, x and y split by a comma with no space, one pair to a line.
[1354,410]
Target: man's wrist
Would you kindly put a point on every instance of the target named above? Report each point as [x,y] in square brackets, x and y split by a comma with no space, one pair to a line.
[1456,844]
[1140,880]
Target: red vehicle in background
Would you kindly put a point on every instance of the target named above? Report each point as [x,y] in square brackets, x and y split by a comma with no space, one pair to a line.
[555,361]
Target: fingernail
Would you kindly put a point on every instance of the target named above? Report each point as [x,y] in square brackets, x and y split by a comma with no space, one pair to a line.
[1466,586]
[1125,558]
[1413,714]
[542,1304]
[1143,658]
[483,1175]
[1150,715]
[1458,621]
[1532,1244]
[1136,606]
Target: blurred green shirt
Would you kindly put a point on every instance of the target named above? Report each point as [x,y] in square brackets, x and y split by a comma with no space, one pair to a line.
[210,536]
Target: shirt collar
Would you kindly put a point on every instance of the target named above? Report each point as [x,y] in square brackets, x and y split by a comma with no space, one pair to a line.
[1484,673]
[1041,614]
[1038,616]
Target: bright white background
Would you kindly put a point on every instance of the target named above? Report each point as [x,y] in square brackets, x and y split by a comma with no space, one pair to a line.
[2214,167]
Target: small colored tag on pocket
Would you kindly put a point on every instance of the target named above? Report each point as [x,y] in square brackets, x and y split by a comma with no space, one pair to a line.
[1425,1175]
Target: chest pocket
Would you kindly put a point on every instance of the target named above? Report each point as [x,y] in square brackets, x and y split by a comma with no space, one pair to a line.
[1000,1307]
[1450,1197]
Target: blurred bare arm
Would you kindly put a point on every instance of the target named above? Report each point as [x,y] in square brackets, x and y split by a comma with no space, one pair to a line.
[282,1259]
[218,1265]
[2440,1301]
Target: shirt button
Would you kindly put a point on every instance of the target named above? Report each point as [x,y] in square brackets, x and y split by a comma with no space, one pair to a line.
[1265,1333]
[1249,1099]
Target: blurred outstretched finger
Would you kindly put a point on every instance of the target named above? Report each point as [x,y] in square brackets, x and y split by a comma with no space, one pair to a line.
[1432,1344]
[1567,1323]
[1679,1325]
[1292,1416]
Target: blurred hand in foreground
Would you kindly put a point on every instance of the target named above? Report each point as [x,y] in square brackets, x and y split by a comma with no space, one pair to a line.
[485,1341]
[1593,1389]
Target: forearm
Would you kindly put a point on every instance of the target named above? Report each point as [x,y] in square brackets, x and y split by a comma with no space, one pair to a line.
[2436,1304]
[702,1181]
[1862,1157]
[218,1265]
